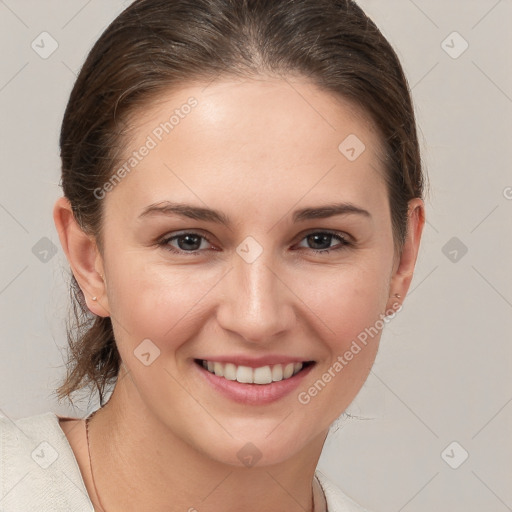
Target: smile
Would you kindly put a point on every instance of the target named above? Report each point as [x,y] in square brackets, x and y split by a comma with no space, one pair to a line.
[247,375]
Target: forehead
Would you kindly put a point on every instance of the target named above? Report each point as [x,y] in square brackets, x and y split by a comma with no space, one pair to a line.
[268,140]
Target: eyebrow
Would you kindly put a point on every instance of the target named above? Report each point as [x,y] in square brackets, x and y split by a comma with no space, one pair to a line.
[209,215]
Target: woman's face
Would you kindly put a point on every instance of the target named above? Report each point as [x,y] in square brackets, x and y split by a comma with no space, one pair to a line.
[220,245]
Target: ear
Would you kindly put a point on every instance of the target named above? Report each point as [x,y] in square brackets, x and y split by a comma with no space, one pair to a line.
[83,256]
[402,276]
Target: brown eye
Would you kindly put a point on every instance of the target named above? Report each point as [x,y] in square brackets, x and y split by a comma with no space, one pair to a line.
[188,242]
[321,241]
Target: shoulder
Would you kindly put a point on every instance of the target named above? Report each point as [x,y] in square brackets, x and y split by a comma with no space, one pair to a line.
[38,470]
[337,501]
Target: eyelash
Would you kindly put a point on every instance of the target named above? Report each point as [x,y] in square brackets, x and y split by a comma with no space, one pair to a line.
[338,236]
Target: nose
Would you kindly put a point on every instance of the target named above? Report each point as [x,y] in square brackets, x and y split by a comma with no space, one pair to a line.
[256,304]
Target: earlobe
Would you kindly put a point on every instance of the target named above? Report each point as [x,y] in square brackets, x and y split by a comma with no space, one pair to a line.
[83,256]
[403,275]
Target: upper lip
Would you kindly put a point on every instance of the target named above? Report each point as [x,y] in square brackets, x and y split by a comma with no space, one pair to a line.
[256,362]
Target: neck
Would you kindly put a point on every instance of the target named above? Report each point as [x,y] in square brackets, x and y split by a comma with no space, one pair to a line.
[138,463]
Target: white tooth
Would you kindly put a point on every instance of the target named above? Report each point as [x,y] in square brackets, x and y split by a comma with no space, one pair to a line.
[230,371]
[210,366]
[297,367]
[262,375]
[277,372]
[217,368]
[205,365]
[288,371]
[245,374]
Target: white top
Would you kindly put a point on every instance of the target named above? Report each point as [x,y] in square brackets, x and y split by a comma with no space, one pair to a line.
[39,471]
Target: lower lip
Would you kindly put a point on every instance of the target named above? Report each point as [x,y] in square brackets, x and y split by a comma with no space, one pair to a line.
[253,394]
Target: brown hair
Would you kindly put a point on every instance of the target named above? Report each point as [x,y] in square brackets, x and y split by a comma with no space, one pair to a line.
[155,45]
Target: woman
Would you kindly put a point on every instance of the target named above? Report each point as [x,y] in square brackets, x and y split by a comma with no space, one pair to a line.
[242,215]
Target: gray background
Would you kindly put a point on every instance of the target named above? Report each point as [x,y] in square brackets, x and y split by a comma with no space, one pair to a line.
[443,370]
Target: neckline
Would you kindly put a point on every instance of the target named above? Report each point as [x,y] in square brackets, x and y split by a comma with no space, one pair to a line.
[56,417]
[71,454]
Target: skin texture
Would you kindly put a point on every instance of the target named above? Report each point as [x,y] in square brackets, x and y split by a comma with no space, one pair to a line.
[256,150]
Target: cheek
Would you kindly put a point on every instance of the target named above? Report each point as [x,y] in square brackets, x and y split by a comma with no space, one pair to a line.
[346,300]
[158,302]
[346,309]
[162,305]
